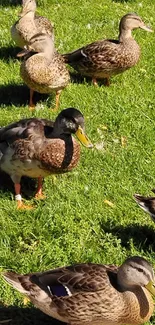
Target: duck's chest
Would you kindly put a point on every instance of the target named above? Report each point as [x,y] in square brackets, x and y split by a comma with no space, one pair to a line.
[60,155]
[36,159]
[42,76]
[129,54]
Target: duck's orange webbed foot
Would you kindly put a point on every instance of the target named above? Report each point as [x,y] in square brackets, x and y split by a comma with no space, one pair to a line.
[21,205]
[18,198]
[94,81]
[39,194]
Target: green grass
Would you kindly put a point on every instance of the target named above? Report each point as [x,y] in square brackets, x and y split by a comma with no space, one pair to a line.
[74,224]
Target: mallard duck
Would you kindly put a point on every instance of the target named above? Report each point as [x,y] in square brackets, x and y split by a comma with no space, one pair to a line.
[147,203]
[92,293]
[104,58]
[30,24]
[43,69]
[38,147]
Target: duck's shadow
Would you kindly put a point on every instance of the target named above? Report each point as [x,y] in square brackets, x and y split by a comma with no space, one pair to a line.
[141,236]
[28,185]
[122,1]
[26,316]
[79,79]
[6,3]
[9,52]
[18,95]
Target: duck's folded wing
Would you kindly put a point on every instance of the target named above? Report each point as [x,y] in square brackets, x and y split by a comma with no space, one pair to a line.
[69,280]
[104,51]
[63,282]
[23,128]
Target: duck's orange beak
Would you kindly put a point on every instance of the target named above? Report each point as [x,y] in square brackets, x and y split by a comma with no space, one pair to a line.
[83,137]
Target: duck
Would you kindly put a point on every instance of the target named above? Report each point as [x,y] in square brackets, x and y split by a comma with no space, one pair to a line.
[147,203]
[105,58]
[36,148]
[91,293]
[43,68]
[30,24]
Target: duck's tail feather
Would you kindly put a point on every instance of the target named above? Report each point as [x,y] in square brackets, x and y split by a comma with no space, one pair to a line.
[74,56]
[19,282]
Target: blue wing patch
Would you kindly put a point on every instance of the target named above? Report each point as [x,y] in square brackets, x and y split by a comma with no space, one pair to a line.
[59,290]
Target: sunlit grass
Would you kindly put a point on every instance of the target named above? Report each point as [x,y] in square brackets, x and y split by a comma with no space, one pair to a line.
[75,223]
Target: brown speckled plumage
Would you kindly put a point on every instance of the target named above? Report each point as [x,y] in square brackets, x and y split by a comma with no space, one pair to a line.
[91,293]
[38,147]
[43,76]
[30,24]
[43,69]
[105,58]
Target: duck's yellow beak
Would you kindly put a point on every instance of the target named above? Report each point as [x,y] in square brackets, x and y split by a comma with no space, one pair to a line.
[150,287]
[83,138]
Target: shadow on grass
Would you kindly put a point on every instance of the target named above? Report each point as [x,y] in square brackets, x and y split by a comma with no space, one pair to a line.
[142,236]
[79,79]
[18,95]
[123,1]
[25,316]
[5,3]
[28,185]
[9,52]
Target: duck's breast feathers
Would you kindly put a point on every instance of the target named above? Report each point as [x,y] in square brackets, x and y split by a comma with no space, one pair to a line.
[24,128]
[78,278]
[43,74]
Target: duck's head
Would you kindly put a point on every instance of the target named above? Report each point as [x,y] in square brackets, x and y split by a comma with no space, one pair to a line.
[146,203]
[71,121]
[28,6]
[136,271]
[39,43]
[132,21]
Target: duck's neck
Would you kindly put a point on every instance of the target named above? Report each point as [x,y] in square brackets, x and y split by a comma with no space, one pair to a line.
[124,34]
[28,15]
[49,52]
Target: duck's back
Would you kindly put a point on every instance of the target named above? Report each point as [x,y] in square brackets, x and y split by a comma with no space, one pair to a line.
[43,25]
[27,26]
[104,57]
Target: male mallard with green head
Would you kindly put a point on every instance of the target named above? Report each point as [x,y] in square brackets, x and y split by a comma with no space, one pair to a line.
[38,147]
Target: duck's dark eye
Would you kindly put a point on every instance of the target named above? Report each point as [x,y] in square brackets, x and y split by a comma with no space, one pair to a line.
[139,270]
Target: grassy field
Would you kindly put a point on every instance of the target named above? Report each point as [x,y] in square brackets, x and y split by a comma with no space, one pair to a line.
[74,223]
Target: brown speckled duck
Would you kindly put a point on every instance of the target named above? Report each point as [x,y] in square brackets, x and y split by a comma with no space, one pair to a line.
[147,203]
[30,24]
[104,58]
[38,147]
[43,69]
[92,293]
